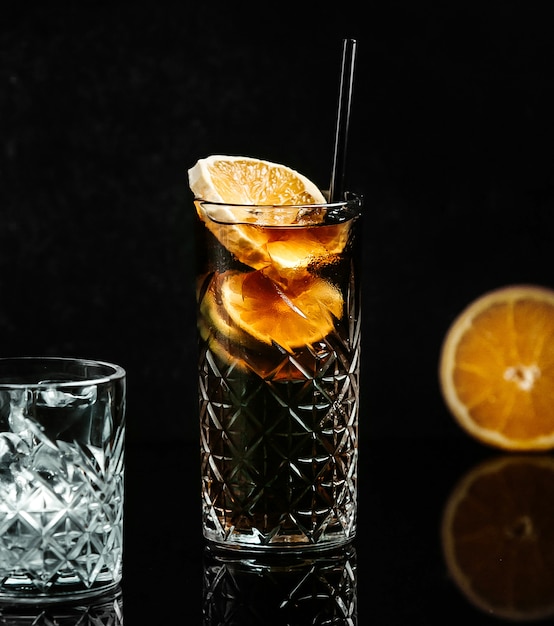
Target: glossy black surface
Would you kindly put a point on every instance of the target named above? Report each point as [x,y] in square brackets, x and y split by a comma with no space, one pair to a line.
[401,572]
[101,113]
[395,572]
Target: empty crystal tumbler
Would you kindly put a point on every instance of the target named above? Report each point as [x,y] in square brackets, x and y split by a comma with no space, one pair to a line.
[62,427]
[278,294]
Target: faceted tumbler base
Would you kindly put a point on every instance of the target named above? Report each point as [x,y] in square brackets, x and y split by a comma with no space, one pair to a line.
[103,610]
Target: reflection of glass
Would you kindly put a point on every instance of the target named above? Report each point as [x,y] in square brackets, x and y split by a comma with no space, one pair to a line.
[105,610]
[289,589]
[279,322]
[498,536]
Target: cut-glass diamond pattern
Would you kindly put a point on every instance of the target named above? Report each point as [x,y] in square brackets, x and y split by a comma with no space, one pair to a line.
[45,538]
[61,486]
[61,521]
[279,452]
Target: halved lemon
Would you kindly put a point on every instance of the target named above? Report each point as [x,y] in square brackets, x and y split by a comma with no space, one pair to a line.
[497,368]
[303,315]
[248,183]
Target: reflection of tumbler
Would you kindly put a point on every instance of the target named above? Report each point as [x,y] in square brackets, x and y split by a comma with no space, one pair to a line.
[294,590]
[105,610]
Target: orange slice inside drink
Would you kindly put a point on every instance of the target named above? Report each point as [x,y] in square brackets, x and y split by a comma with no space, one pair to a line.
[303,315]
[253,209]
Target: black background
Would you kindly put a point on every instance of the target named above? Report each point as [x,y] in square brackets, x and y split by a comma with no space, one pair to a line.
[103,110]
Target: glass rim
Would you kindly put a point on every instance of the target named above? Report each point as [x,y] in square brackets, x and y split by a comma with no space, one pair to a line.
[353,200]
[117,372]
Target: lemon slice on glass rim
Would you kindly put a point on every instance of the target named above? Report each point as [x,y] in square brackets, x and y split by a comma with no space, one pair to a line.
[248,183]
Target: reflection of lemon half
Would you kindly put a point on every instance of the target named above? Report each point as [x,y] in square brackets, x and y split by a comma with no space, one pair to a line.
[498,537]
[257,306]
[497,368]
[231,180]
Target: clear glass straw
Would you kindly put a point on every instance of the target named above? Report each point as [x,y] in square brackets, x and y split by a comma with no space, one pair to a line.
[336,186]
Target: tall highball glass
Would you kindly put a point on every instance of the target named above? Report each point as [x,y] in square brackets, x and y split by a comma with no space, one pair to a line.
[278,294]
